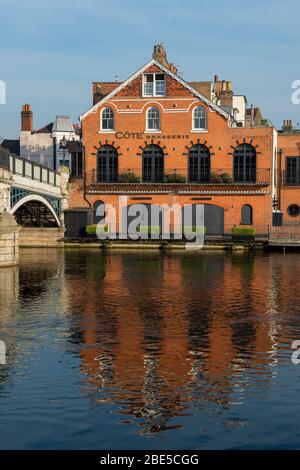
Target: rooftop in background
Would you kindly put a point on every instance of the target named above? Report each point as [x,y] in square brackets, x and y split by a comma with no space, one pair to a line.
[288,127]
[63,124]
[44,130]
[12,145]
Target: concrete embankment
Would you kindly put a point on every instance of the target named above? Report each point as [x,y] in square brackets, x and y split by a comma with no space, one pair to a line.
[9,240]
[41,237]
[220,244]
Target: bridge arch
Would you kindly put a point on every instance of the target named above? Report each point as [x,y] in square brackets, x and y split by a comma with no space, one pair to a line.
[42,206]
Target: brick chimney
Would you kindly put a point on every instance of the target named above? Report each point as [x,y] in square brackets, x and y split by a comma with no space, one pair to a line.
[287,125]
[26,118]
[160,54]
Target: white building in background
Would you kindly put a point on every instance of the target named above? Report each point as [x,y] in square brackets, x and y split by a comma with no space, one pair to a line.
[44,146]
[239,104]
[63,129]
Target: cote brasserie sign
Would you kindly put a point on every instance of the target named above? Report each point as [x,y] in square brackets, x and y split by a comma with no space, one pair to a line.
[140,135]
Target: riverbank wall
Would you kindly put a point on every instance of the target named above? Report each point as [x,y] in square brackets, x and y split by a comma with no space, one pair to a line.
[38,237]
[9,240]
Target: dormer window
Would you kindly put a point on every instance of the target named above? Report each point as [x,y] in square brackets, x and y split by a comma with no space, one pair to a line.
[154,84]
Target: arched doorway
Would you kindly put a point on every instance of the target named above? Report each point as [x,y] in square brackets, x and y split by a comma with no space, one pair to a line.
[213,218]
[147,215]
[247,215]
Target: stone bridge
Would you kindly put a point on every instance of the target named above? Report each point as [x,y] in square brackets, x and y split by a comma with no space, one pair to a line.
[36,196]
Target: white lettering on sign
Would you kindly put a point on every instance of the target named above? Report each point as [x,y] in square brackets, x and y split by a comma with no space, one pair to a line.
[35,148]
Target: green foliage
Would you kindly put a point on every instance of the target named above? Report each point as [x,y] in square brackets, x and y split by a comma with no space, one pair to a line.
[174,178]
[221,178]
[129,177]
[241,231]
[92,229]
[194,229]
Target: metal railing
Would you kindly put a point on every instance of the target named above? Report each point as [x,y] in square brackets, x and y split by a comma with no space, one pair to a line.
[34,171]
[156,175]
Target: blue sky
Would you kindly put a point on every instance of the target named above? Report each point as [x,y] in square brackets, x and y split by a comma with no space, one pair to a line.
[51,51]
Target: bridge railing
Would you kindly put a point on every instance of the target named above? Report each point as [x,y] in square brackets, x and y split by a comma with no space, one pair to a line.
[34,171]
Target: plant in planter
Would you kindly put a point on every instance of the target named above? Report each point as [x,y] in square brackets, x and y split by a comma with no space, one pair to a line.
[215,178]
[129,177]
[226,178]
[221,178]
[175,178]
[189,229]
[91,230]
[243,233]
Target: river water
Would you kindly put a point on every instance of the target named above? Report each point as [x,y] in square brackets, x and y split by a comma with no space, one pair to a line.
[145,350]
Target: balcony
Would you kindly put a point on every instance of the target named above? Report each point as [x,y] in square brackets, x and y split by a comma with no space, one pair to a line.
[177,177]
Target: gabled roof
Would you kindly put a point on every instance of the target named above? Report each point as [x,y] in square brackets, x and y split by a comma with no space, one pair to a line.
[168,72]
[101,89]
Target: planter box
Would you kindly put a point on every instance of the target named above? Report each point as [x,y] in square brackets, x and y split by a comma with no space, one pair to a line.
[242,238]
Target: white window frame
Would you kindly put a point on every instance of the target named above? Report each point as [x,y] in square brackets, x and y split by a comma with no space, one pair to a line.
[193,119]
[149,129]
[154,85]
[101,120]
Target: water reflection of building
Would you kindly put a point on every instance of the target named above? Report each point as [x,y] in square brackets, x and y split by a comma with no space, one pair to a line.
[26,291]
[157,332]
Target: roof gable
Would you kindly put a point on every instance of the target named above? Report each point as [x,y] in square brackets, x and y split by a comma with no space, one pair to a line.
[168,72]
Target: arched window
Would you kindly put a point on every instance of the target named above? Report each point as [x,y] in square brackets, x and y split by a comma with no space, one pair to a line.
[107,120]
[153,164]
[199,118]
[97,218]
[107,164]
[244,164]
[247,215]
[199,163]
[153,119]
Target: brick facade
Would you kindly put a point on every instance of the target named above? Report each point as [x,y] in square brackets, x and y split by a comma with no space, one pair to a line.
[175,137]
[289,193]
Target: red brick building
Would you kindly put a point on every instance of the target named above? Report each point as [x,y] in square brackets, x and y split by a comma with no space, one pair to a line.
[288,174]
[158,139]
